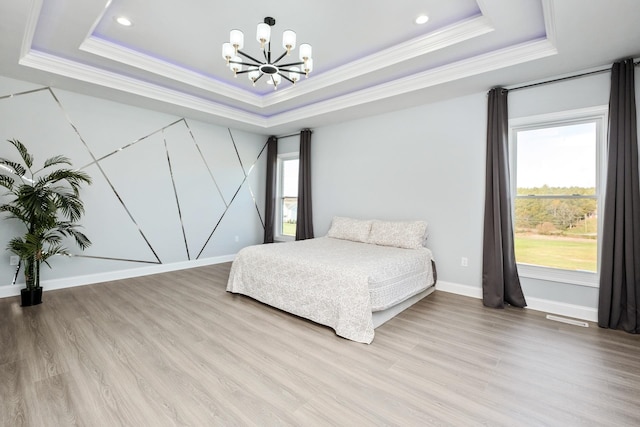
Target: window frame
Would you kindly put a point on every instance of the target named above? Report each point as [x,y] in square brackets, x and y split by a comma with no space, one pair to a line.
[278,236]
[598,115]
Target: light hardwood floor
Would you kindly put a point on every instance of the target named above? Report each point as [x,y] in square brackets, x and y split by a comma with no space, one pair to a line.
[176,349]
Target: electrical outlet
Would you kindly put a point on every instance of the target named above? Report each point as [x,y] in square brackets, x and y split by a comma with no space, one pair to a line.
[464,261]
[14,260]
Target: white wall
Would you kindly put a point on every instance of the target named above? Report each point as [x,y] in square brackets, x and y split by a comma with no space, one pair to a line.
[408,165]
[290,144]
[424,163]
[132,214]
[428,163]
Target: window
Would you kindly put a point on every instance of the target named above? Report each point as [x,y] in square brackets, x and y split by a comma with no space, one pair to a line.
[287,209]
[556,188]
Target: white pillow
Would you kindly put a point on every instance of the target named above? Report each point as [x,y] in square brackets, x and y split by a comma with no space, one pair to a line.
[400,234]
[356,230]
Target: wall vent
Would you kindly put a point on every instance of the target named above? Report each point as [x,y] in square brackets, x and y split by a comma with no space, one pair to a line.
[567,320]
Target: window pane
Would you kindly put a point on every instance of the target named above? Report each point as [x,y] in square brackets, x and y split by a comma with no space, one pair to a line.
[289,194]
[557,157]
[557,232]
[289,215]
[290,178]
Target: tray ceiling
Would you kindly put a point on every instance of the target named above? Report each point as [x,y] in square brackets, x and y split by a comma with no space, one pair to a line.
[368,57]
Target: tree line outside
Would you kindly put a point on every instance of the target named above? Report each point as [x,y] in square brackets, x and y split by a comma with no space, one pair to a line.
[557,232]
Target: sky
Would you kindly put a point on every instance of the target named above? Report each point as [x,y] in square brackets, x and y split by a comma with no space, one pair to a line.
[562,156]
[290,181]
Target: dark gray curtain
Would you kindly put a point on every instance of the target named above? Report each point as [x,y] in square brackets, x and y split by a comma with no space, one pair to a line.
[619,302]
[271,183]
[500,281]
[304,226]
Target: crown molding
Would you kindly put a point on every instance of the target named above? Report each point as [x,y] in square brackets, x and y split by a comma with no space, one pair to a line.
[30,26]
[99,18]
[549,20]
[86,73]
[133,58]
[506,57]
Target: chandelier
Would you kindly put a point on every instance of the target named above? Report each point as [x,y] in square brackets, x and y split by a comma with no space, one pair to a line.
[272,69]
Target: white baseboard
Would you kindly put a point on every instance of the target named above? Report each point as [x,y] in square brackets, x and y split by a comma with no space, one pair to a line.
[547,306]
[589,314]
[456,288]
[69,282]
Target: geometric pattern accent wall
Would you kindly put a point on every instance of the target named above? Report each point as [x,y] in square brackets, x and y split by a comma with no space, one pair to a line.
[165,189]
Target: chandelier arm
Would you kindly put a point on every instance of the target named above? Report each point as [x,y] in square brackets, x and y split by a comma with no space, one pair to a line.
[259,77]
[248,64]
[291,64]
[280,57]
[290,71]
[249,57]
[285,77]
[269,54]
[242,72]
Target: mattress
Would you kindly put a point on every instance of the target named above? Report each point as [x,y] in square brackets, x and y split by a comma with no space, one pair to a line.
[394,290]
[334,282]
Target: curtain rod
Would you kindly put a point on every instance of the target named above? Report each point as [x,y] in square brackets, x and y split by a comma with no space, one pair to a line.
[293,134]
[288,136]
[575,76]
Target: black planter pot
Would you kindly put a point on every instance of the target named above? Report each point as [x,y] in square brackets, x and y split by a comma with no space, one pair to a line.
[31,297]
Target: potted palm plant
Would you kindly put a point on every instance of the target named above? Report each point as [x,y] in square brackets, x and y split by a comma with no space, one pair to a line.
[48,204]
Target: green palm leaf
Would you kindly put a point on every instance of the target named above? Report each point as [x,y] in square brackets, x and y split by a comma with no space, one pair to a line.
[24,153]
[7,182]
[14,167]
[48,205]
[56,160]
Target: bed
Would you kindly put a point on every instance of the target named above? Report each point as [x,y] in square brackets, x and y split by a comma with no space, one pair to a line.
[353,280]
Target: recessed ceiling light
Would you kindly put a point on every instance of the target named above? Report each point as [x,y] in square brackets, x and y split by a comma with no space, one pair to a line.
[422,19]
[124,21]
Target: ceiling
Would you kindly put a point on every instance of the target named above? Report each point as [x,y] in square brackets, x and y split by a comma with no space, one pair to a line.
[369,57]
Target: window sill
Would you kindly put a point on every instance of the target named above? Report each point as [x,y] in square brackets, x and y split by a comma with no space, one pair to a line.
[282,239]
[581,278]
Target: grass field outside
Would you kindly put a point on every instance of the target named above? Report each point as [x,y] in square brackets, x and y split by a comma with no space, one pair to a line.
[289,229]
[567,253]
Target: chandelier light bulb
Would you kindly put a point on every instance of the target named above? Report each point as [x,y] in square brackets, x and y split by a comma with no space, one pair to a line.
[253,74]
[289,41]
[308,67]
[235,66]
[236,38]
[294,74]
[274,79]
[263,34]
[305,52]
[227,52]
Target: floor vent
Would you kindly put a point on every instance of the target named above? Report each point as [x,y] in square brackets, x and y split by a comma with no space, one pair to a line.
[566,320]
